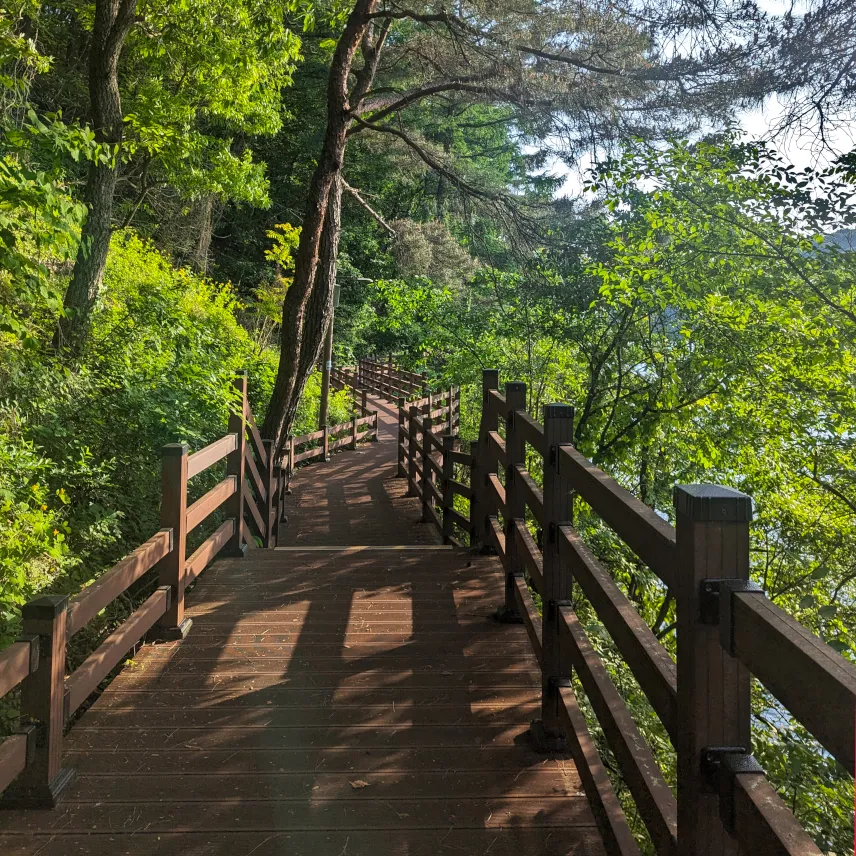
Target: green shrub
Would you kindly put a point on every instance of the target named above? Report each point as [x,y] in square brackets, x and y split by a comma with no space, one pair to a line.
[80,447]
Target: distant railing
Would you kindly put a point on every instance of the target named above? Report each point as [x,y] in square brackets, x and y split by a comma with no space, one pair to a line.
[727,630]
[251,496]
[388,381]
[330,438]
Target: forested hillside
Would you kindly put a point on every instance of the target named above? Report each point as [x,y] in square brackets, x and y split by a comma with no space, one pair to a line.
[183,183]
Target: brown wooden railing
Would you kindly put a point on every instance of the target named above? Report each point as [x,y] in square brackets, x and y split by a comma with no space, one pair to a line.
[390,382]
[250,497]
[330,438]
[727,630]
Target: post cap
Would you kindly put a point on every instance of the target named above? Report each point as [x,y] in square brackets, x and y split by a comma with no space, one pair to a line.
[47,606]
[175,449]
[558,411]
[712,503]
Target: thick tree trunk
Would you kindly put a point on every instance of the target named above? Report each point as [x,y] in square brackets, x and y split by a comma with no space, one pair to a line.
[319,309]
[113,21]
[295,350]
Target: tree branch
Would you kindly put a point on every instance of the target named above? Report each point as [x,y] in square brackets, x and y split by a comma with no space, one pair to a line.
[356,194]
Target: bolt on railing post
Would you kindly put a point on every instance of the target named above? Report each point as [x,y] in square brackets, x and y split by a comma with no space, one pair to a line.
[270,483]
[478,471]
[712,526]
[44,780]
[515,449]
[171,568]
[427,460]
[558,510]
[235,466]
[402,436]
[450,443]
[411,451]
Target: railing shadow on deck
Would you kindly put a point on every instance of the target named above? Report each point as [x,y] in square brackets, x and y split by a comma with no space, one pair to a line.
[297,787]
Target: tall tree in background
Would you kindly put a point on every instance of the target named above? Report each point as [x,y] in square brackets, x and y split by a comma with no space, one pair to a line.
[583,73]
[112,23]
[174,101]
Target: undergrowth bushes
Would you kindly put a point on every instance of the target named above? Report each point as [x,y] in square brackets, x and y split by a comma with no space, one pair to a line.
[80,445]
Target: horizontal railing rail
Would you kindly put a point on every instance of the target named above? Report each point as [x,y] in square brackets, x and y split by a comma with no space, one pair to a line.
[726,629]
[429,458]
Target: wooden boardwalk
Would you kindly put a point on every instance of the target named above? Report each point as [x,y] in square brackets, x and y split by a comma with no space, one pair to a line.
[346,695]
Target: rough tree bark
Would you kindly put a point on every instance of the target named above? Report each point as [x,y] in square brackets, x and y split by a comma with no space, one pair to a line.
[303,319]
[199,254]
[113,22]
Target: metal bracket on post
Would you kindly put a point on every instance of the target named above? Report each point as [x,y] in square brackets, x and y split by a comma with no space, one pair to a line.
[553,607]
[719,766]
[556,684]
[553,530]
[715,603]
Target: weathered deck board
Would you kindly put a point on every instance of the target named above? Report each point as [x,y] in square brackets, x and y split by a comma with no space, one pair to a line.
[332,703]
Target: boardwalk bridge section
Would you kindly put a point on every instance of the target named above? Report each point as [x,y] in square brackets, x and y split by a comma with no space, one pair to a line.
[396,671]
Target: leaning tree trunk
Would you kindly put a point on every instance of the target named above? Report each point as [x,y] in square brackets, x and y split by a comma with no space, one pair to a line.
[113,21]
[293,370]
[319,309]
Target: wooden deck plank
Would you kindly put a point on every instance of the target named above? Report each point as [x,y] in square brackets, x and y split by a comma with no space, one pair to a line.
[354,702]
[237,758]
[389,784]
[445,842]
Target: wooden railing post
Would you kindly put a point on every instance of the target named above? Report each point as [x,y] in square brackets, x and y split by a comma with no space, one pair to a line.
[712,525]
[44,780]
[450,425]
[515,448]
[478,473]
[402,436]
[281,480]
[235,466]
[365,402]
[450,443]
[290,456]
[354,433]
[171,568]
[558,509]
[374,435]
[326,444]
[411,451]
[271,490]
[427,471]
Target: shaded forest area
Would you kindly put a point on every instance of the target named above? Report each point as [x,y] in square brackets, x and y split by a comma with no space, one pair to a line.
[182,183]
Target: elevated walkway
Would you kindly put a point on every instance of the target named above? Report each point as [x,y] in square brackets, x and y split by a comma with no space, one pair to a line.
[346,694]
